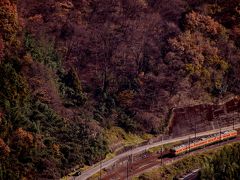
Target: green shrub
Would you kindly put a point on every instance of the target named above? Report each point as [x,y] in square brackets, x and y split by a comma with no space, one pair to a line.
[224,164]
[42,51]
[71,89]
[127,123]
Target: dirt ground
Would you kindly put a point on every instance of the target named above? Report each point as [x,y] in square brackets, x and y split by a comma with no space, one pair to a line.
[204,117]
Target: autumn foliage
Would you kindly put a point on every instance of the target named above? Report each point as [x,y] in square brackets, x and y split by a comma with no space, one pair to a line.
[71,69]
[204,24]
[23,138]
[9,22]
[4,149]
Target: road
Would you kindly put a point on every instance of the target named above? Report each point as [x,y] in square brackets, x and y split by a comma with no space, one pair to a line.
[93,170]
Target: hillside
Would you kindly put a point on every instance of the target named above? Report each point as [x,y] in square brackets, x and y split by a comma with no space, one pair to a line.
[73,69]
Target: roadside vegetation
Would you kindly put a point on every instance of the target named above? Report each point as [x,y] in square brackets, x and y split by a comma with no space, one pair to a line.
[117,137]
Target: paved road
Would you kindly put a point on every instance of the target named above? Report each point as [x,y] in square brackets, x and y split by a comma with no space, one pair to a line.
[93,170]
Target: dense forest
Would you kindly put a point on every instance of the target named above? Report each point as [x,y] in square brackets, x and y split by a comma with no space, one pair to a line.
[223,165]
[71,69]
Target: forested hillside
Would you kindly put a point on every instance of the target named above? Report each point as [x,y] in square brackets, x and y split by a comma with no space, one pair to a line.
[73,69]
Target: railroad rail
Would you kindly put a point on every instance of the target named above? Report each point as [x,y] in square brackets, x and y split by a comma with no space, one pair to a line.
[109,163]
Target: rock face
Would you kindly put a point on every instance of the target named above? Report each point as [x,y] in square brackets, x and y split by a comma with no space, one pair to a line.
[204,117]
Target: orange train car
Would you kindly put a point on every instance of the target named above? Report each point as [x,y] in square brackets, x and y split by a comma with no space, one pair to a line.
[203,141]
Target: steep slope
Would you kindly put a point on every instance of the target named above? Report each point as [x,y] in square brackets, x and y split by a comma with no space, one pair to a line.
[72,68]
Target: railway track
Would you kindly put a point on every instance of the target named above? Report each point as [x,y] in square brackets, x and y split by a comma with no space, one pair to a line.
[108,164]
[153,161]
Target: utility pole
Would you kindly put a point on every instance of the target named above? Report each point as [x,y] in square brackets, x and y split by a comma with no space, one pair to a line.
[238,115]
[189,144]
[237,120]
[162,147]
[195,130]
[233,121]
[162,152]
[100,172]
[127,167]
[220,132]
[219,126]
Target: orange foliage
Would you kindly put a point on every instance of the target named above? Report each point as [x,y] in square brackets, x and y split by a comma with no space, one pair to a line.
[200,57]
[24,138]
[56,148]
[36,18]
[8,5]
[8,21]
[38,141]
[193,47]
[4,149]
[204,24]
[28,58]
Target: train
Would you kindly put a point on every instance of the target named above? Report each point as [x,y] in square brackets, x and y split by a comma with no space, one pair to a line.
[202,142]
